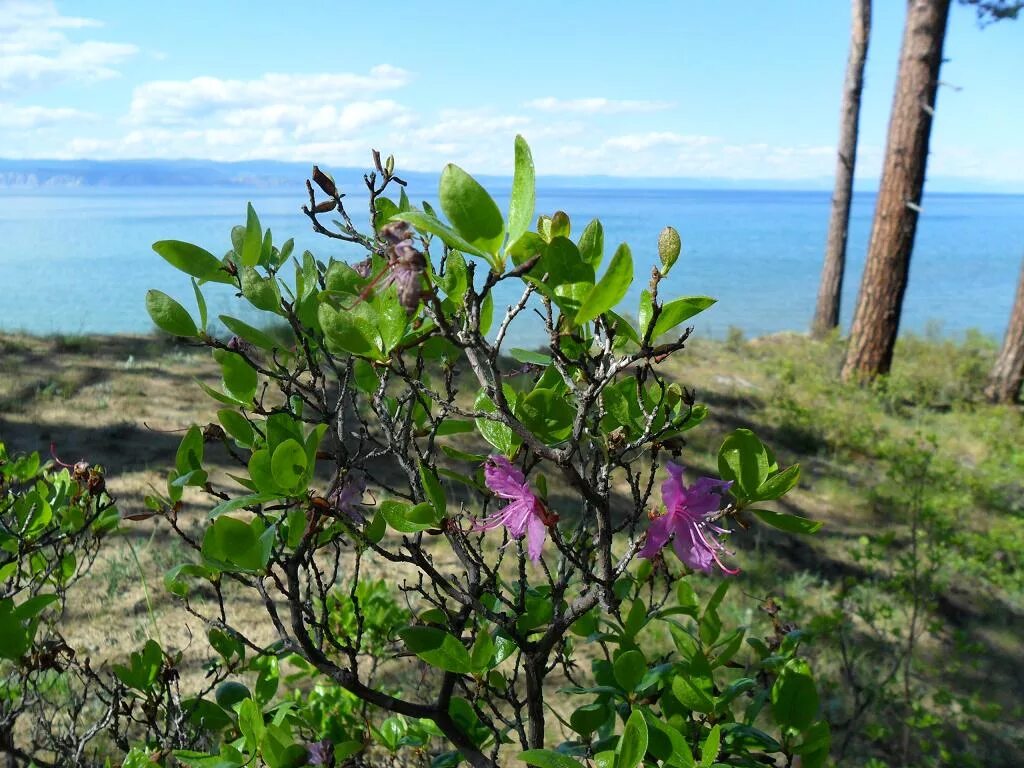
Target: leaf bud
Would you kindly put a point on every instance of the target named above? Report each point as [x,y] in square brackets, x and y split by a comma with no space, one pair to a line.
[560,226]
[669,247]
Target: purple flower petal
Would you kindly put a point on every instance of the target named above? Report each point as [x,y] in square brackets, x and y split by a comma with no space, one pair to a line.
[536,532]
[695,539]
[504,479]
[517,514]
[692,551]
[672,490]
[657,536]
[524,515]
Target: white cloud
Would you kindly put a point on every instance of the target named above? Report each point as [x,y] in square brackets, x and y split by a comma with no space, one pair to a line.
[35,50]
[23,118]
[665,153]
[639,142]
[596,106]
[454,125]
[176,102]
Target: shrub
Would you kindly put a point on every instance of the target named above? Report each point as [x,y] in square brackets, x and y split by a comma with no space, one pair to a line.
[506,496]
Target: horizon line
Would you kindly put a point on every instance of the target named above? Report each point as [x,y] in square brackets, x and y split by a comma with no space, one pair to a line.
[1004,187]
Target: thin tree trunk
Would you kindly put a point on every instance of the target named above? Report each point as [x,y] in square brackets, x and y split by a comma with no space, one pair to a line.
[826,315]
[877,317]
[1004,383]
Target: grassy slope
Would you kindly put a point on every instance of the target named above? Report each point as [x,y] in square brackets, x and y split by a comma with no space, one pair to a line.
[110,399]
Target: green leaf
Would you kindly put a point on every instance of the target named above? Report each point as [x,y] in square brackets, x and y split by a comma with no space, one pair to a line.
[691,696]
[169,315]
[525,247]
[744,460]
[591,244]
[456,278]
[393,320]
[548,414]
[666,743]
[497,434]
[250,334]
[406,518]
[143,667]
[610,288]
[679,311]
[376,529]
[236,426]
[288,464]
[786,522]
[589,718]
[174,579]
[349,332]
[528,356]
[712,744]
[569,279]
[794,696]
[629,669]
[524,195]
[644,312]
[201,303]
[546,758]
[252,243]
[471,210]
[778,485]
[240,502]
[633,744]
[437,648]
[192,260]
[433,490]
[262,292]
[190,451]
[539,611]
[235,545]
[239,379]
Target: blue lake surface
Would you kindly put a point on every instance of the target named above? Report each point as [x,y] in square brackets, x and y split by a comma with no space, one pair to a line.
[79,260]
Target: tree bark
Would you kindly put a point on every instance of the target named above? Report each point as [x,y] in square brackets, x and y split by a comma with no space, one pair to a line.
[826,315]
[877,317]
[1004,383]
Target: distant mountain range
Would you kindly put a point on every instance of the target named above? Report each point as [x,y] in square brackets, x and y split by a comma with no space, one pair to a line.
[45,174]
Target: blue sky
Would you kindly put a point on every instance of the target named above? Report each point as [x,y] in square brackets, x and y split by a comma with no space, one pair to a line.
[688,88]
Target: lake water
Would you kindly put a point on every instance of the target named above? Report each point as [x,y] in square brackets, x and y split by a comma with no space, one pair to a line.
[79,260]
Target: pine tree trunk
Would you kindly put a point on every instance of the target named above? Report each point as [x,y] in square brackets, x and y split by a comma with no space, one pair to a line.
[826,315]
[877,317]
[1004,383]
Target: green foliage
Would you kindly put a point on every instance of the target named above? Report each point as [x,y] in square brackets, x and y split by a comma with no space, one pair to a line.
[355,429]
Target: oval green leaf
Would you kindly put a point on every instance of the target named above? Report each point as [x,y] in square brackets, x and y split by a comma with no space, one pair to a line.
[169,315]
[471,210]
[524,195]
[610,288]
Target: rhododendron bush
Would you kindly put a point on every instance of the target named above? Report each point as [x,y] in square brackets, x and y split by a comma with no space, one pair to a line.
[465,551]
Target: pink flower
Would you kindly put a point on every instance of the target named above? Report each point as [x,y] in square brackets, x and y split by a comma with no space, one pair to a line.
[688,510]
[524,515]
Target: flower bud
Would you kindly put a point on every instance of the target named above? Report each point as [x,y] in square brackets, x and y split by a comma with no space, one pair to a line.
[324,182]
